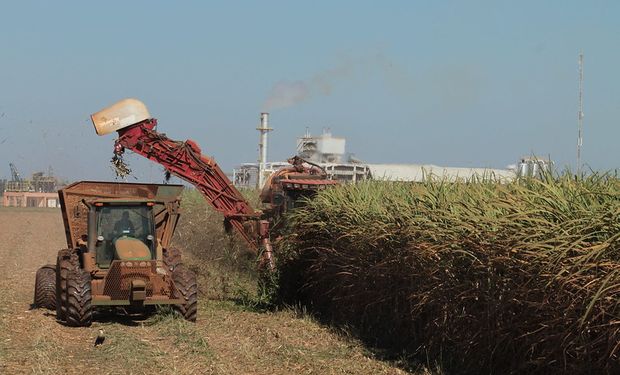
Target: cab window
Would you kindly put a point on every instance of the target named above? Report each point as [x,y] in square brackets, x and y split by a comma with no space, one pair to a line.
[117,221]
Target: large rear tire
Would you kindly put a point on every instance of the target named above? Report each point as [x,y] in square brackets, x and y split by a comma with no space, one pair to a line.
[45,287]
[66,262]
[79,299]
[186,289]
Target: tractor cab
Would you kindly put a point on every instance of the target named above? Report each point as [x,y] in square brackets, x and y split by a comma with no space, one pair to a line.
[125,231]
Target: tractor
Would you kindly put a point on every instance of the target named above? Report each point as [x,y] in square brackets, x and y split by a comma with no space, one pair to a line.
[118,253]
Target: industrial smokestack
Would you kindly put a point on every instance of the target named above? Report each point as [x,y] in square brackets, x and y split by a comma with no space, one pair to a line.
[262,148]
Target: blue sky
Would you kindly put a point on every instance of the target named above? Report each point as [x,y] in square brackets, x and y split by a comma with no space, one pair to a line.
[454,83]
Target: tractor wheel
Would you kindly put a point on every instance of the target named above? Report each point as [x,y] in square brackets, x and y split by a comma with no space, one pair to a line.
[172,258]
[66,262]
[186,289]
[79,298]
[45,287]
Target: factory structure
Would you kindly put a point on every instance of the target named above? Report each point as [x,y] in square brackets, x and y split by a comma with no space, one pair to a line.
[330,153]
[38,191]
[325,150]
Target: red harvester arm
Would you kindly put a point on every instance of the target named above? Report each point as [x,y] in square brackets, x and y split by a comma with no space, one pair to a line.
[184,160]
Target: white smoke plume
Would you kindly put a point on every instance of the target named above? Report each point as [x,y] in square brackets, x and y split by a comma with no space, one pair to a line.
[286,94]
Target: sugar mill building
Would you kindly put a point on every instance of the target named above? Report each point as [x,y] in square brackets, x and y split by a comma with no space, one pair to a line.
[329,152]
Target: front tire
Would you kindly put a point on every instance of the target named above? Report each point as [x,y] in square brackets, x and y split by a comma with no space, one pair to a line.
[66,263]
[79,299]
[187,290]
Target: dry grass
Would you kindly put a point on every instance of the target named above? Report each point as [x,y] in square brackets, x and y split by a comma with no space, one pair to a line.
[479,276]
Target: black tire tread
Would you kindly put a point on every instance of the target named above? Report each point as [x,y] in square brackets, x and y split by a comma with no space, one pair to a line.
[187,289]
[66,263]
[79,299]
[172,258]
[45,287]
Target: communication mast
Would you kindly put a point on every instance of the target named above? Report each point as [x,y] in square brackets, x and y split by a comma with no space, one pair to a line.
[580,114]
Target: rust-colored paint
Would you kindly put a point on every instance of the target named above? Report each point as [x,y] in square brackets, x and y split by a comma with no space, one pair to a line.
[128,248]
[117,283]
[126,281]
[75,198]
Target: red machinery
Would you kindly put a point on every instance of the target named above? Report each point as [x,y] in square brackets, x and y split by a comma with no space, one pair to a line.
[137,132]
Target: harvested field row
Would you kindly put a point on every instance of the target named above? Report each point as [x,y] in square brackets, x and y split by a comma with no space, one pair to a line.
[229,337]
[479,276]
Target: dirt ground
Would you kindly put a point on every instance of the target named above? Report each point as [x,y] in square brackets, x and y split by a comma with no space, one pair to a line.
[227,339]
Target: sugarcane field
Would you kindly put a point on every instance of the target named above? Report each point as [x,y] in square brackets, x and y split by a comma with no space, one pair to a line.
[427,188]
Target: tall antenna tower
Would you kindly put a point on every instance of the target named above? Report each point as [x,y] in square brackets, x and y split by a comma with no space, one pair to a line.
[580,114]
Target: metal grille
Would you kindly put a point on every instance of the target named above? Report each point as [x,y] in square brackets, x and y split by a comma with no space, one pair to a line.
[121,273]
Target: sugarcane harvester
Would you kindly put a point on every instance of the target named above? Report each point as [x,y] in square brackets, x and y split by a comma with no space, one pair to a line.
[119,235]
[137,131]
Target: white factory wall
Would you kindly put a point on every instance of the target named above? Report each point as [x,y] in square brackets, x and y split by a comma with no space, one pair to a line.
[420,172]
